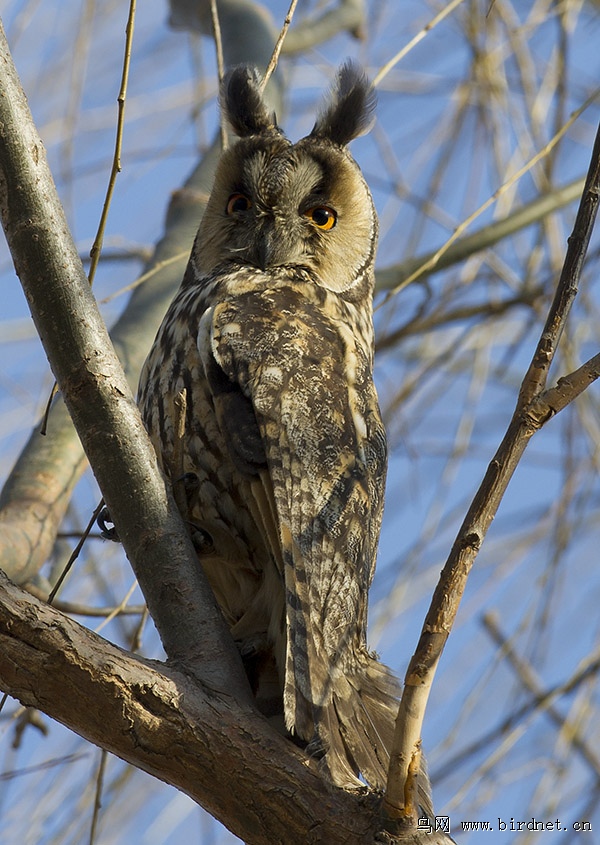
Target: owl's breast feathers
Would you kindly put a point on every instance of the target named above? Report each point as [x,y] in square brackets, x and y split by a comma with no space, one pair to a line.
[294,355]
[284,435]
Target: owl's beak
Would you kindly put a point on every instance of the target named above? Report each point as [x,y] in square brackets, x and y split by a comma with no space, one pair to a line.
[272,247]
[267,251]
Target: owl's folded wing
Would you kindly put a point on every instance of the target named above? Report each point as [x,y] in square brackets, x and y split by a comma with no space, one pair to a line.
[317,416]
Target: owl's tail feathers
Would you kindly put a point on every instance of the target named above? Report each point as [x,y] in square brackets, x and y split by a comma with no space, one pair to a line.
[357,728]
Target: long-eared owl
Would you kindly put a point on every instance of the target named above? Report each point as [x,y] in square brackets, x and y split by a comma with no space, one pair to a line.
[258,395]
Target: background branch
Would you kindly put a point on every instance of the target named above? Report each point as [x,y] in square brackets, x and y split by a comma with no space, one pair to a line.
[448,593]
[389,278]
[542,699]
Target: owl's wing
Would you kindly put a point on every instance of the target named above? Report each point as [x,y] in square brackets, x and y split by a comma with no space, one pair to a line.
[309,383]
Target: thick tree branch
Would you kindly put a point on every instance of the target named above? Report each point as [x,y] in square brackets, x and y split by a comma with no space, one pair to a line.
[202,740]
[348,15]
[37,493]
[164,722]
[534,408]
[100,401]
[34,499]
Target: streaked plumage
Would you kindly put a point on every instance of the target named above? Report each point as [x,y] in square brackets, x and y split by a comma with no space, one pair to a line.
[281,461]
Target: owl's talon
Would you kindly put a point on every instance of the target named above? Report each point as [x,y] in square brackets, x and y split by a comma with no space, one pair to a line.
[316,748]
[106,532]
[254,646]
[203,542]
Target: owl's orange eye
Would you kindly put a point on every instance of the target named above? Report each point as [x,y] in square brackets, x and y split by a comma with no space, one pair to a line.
[322,216]
[238,202]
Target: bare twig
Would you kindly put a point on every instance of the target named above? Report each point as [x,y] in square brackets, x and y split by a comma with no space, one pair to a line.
[28,717]
[535,379]
[156,268]
[279,44]
[400,275]
[383,71]
[216,27]
[40,767]
[543,699]
[134,646]
[78,609]
[98,794]
[116,164]
[119,609]
[432,261]
[567,388]
[76,551]
[532,410]
[46,414]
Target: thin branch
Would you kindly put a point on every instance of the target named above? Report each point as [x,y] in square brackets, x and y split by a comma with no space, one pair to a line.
[567,388]
[543,700]
[76,552]
[432,261]
[116,163]
[383,71]
[40,767]
[535,379]
[77,609]
[525,422]
[119,609]
[216,27]
[484,311]
[98,795]
[134,646]
[279,44]
[46,414]
[147,276]
[398,276]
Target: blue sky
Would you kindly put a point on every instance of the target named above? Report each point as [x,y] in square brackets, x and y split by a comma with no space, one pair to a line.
[469,105]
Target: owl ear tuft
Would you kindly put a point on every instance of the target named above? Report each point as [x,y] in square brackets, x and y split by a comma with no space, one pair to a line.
[242,101]
[348,112]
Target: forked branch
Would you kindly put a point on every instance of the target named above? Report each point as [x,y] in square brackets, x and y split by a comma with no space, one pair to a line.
[535,406]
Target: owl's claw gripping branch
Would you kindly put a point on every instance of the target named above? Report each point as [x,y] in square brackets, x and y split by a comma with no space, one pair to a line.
[106,526]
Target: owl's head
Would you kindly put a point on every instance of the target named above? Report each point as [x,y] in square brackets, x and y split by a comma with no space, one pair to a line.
[283,207]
